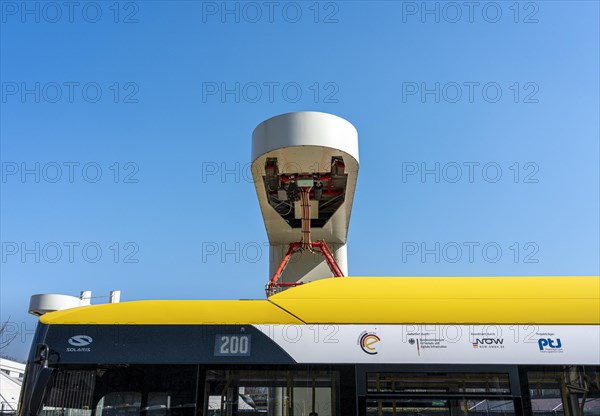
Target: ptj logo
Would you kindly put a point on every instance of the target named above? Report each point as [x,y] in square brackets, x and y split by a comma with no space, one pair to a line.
[550,345]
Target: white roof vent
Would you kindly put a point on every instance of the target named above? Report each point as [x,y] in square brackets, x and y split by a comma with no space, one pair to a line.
[41,304]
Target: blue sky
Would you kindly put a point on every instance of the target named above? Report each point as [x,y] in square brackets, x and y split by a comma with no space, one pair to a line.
[126,131]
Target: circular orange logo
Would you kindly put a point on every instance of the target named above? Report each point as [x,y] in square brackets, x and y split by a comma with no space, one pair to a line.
[368,342]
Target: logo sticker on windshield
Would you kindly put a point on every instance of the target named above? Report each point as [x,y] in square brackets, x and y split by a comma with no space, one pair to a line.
[81,342]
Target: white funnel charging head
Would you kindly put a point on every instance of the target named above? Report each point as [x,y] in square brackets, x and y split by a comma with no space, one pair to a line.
[301,150]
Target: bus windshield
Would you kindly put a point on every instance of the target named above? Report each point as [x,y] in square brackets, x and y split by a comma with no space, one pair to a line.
[126,390]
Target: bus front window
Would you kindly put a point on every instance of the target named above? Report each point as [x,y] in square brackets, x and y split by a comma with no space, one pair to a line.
[122,390]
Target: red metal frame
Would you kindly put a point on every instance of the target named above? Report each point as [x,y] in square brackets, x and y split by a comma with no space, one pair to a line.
[322,248]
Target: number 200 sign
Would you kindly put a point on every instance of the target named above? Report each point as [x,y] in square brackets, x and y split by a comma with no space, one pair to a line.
[232,345]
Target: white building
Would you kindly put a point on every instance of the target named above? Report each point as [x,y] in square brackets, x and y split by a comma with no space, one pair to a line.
[11,379]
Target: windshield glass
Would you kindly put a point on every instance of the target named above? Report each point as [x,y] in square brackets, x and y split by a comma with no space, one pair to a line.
[128,390]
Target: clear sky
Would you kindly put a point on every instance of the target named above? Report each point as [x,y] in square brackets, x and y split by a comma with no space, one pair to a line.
[126,131]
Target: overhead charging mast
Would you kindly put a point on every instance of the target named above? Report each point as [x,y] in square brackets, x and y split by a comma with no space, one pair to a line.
[305,167]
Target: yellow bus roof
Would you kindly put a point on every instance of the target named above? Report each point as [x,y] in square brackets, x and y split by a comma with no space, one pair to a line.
[373,300]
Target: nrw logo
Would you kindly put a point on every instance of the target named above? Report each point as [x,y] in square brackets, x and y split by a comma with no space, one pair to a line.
[368,342]
[550,345]
[80,340]
[488,343]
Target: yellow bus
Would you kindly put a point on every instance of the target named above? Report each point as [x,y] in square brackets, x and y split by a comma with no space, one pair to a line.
[332,347]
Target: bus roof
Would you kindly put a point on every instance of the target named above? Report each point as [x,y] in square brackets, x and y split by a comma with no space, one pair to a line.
[373,300]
